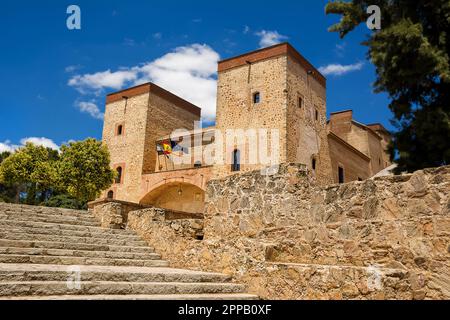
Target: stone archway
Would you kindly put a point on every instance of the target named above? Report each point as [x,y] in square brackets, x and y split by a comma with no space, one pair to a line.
[177,196]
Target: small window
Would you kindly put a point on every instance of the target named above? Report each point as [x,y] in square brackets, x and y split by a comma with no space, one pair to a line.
[197,164]
[236,157]
[110,195]
[300,102]
[313,164]
[119,175]
[120,130]
[341,175]
[317,115]
[256,97]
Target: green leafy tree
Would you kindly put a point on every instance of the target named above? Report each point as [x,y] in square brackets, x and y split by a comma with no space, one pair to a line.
[411,56]
[84,169]
[64,201]
[32,168]
[4,155]
[7,193]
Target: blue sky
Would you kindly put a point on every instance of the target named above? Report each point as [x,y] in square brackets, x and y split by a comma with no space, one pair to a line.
[54,80]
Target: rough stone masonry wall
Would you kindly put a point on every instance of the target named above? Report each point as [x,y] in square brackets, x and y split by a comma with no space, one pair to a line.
[387,238]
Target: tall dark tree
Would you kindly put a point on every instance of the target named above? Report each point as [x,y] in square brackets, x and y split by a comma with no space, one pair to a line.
[411,55]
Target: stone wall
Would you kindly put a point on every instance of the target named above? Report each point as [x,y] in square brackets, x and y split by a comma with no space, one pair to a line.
[306,134]
[236,110]
[286,238]
[113,214]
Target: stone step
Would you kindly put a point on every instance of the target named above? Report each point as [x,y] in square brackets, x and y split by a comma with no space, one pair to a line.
[56,232]
[21,208]
[50,288]
[46,211]
[166,297]
[78,253]
[58,226]
[70,260]
[85,221]
[30,272]
[7,235]
[73,246]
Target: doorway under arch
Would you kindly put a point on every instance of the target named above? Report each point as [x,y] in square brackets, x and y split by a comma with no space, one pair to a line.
[177,196]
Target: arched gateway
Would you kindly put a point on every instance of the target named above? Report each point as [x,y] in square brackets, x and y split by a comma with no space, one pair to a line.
[176,195]
[179,190]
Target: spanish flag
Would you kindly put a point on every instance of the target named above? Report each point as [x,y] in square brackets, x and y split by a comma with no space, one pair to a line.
[167,147]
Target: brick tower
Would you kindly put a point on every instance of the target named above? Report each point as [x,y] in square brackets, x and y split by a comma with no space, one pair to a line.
[275,88]
[134,119]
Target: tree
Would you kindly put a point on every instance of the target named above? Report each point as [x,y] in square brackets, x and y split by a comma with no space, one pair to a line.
[7,193]
[4,155]
[411,56]
[32,168]
[64,201]
[84,169]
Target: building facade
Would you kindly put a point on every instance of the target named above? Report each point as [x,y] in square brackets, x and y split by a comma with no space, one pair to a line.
[271,109]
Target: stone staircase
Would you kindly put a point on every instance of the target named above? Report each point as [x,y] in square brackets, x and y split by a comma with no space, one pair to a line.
[52,253]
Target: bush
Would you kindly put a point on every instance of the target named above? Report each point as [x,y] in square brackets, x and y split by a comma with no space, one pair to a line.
[65,201]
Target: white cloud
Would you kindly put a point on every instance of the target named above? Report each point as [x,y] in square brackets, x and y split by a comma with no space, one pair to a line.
[157,35]
[270,38]
[39,141]
[7,146]
[91,108]
[129,42]
[340,49]
[339,69]
[246,30]
[45,142]
[100,80]
[188,71]
[73,68]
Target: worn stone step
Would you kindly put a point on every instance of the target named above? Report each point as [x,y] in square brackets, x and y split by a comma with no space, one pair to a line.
[63,213]
[68,260]
[7,235]
[59,226]
[85,221]
[26,207]
[73,246]
[49,288]
[56,232]
[30,272]
[78,253]
[22,208]
[199,297]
